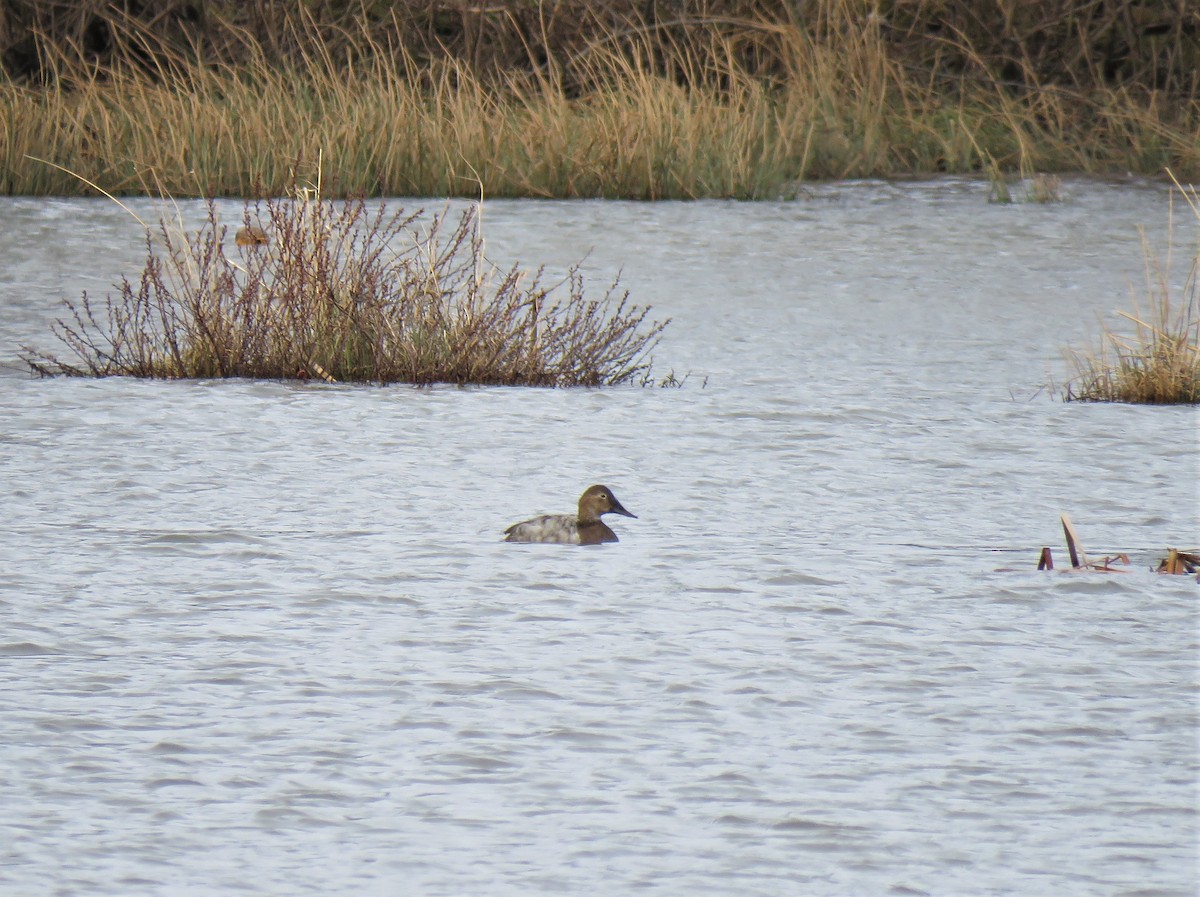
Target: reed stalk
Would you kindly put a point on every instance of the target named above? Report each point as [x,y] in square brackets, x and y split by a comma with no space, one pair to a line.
[740,105]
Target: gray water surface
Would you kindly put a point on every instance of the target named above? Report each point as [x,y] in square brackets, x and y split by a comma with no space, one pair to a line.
[264,638]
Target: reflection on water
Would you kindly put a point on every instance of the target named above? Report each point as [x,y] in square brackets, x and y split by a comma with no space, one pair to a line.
[265,638]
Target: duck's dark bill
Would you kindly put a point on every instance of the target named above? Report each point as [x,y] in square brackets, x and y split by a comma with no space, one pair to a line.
[618,508]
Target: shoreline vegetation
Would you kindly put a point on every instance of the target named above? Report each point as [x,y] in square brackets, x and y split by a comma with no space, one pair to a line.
[644,99]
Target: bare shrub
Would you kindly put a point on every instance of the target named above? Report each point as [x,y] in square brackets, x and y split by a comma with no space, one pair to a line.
[352,294]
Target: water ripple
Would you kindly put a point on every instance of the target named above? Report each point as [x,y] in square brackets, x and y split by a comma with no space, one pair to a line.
[272,627]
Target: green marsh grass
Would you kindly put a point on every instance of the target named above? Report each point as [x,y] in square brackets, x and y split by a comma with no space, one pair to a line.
[741,106]
[1155,358]
[346,292]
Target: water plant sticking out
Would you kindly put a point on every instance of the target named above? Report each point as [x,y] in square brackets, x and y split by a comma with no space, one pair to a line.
[1036,188]
[1044,188]
[1158,363]
[314,288]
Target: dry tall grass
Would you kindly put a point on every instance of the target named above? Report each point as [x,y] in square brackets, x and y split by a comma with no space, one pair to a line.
[335,290]
[1158,361]
[706,105]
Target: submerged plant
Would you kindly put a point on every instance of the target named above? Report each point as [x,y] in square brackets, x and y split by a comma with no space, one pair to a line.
[347,293]
[1159,362]
[1038,187]
[1044,188]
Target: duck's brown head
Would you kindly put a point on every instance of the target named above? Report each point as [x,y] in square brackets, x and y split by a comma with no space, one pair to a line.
[599,500]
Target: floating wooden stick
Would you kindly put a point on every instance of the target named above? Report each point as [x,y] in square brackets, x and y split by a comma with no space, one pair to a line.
[1106,565]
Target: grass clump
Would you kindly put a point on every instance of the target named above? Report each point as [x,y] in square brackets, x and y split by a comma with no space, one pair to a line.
[1158,363]
[1040,188]
[348,293]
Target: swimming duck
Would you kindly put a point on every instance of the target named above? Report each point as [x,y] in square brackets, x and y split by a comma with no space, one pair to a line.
[584,528]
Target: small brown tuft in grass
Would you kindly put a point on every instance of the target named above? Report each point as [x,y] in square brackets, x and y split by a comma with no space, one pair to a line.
[336,290]
[1158,363]
[1037,187]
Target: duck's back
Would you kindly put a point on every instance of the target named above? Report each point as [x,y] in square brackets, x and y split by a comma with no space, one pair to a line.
[563,529]
[559,528]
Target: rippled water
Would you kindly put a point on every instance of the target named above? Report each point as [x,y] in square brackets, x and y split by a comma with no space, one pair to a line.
[263,638]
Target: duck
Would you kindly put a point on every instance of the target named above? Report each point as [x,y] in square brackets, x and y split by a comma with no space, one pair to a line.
[584,528]
[251,235]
